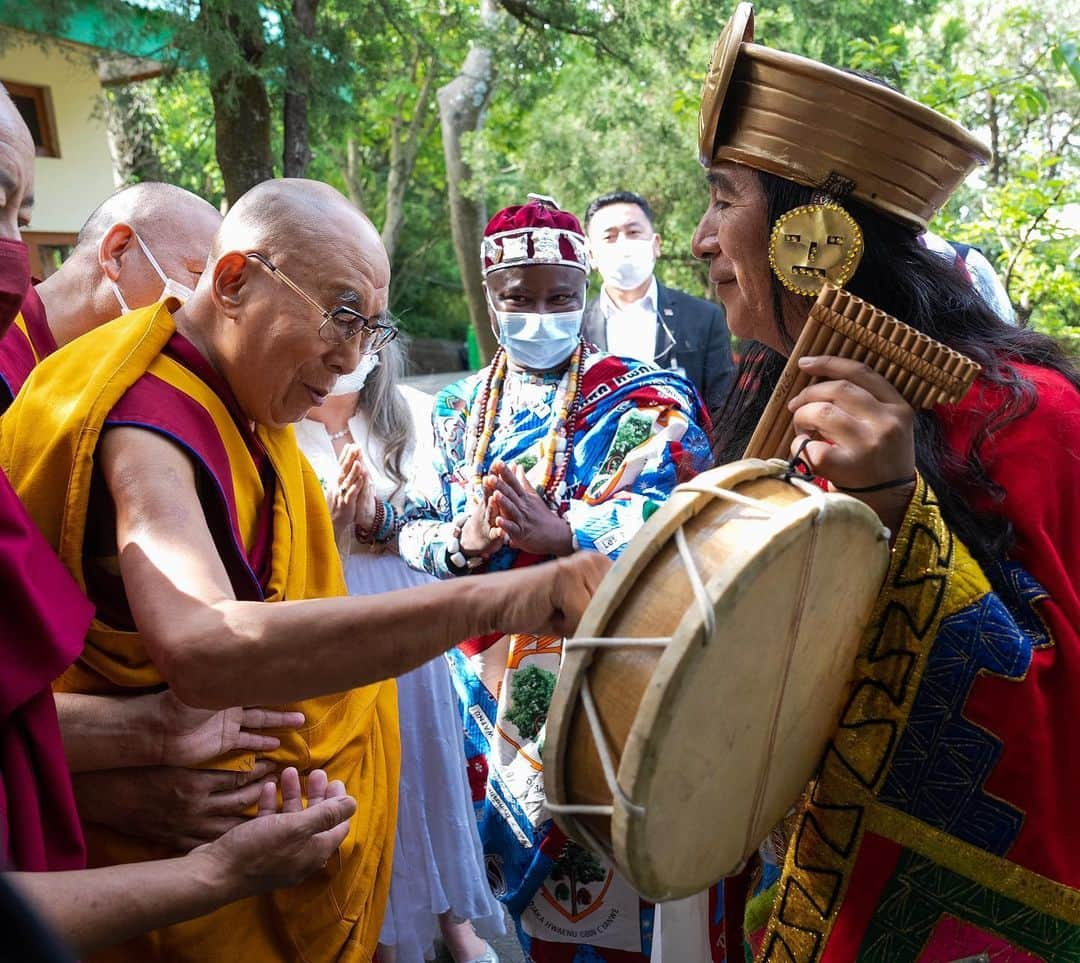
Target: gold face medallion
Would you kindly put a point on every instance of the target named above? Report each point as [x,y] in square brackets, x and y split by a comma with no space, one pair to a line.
[813,244]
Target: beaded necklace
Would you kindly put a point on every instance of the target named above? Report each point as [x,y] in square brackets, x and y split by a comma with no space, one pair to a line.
[555,450]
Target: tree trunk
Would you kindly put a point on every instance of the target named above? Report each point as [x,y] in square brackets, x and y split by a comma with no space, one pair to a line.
[354,181]
[403,151]
[131,128]
[241,104]
[299,33]
[461,109]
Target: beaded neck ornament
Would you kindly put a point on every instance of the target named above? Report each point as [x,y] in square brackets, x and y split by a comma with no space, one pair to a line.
[555,449]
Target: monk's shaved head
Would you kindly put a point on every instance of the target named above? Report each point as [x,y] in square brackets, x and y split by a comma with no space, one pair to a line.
[112,267]
[285,219]
[151,209]
[16,168]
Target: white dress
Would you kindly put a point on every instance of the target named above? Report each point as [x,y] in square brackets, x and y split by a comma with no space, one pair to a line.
[438,861]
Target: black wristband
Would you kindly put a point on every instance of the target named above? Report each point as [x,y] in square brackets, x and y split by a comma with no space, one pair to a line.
[895,483]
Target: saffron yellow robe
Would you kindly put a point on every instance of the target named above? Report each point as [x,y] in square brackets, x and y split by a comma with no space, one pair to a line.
[48,440]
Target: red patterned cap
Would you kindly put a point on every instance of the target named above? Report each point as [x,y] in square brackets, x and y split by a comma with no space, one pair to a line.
[533,233]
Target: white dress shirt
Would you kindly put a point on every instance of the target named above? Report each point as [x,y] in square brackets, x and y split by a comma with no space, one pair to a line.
[631,331]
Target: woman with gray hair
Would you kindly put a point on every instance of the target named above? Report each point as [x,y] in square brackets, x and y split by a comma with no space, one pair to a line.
[373,430]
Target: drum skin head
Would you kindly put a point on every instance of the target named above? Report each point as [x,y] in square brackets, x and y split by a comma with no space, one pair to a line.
[716,737]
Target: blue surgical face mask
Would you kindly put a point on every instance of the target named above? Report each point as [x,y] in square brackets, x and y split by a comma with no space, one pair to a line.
[539,342]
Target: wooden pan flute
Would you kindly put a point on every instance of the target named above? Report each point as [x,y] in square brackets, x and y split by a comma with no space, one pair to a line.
[840,325]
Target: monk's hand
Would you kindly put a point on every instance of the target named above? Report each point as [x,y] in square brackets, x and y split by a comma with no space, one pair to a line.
[520,511]
[172,806]
[547,599]
[479,535]
[859,434]
[286,843]
[191,737]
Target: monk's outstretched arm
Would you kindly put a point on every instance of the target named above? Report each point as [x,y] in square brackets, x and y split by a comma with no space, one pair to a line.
[215,651]
[94,908]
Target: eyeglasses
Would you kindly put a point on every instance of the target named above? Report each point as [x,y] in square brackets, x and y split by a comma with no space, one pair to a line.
[342,323]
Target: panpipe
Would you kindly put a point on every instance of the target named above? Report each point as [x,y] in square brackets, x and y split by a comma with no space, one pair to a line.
[924,371]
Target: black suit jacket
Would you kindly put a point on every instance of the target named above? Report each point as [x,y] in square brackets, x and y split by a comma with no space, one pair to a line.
[702,342]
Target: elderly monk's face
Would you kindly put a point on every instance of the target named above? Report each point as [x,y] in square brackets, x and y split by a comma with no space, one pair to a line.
[733,236]
[16,173]
[285,367]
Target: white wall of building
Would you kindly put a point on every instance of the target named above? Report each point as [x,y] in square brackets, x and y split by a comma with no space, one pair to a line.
[67,188]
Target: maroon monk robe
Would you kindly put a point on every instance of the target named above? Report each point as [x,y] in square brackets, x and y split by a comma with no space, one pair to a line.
[20,352]
[43,622]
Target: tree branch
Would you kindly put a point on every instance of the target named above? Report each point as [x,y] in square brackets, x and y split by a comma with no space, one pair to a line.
[1022,246]
[990,86]
[525,12]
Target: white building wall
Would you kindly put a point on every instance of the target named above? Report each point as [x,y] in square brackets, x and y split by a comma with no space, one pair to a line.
[66,188]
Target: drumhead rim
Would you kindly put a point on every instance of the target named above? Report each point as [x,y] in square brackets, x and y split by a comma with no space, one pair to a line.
[637,763]
[616,585]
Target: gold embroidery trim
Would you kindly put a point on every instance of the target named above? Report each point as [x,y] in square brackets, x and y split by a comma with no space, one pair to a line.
[997,874]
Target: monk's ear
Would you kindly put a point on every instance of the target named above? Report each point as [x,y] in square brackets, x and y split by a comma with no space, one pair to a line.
[230,278]
[118,240]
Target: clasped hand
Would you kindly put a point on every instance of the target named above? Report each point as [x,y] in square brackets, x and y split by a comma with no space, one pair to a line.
[352,501]
[512,512]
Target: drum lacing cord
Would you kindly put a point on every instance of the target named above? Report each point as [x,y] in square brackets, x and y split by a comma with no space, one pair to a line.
[708,616]
[797,461]
[818,495]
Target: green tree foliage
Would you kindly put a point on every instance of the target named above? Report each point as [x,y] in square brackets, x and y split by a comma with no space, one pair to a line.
[530,697]
[599,123]
[592,97]
[1010,72]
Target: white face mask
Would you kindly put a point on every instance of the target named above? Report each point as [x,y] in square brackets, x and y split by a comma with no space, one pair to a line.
[169,287]
[352,382]
[539,342]
[626,264]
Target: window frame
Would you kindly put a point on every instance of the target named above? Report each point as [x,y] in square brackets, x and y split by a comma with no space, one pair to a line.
[42,98]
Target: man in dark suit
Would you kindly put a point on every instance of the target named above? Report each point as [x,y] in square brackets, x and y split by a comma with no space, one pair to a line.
[637,317]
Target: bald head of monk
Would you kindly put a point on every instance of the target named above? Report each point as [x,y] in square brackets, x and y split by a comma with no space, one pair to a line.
[110,272]
[281,350]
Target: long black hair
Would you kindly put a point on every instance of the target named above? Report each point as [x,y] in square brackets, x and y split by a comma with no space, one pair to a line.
[927,291]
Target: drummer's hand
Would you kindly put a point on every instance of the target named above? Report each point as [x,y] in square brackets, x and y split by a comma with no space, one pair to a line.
[479,536]
[546,599]
[861,430]
[520,511]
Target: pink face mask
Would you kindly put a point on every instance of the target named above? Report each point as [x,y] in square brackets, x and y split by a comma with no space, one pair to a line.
[14,279]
